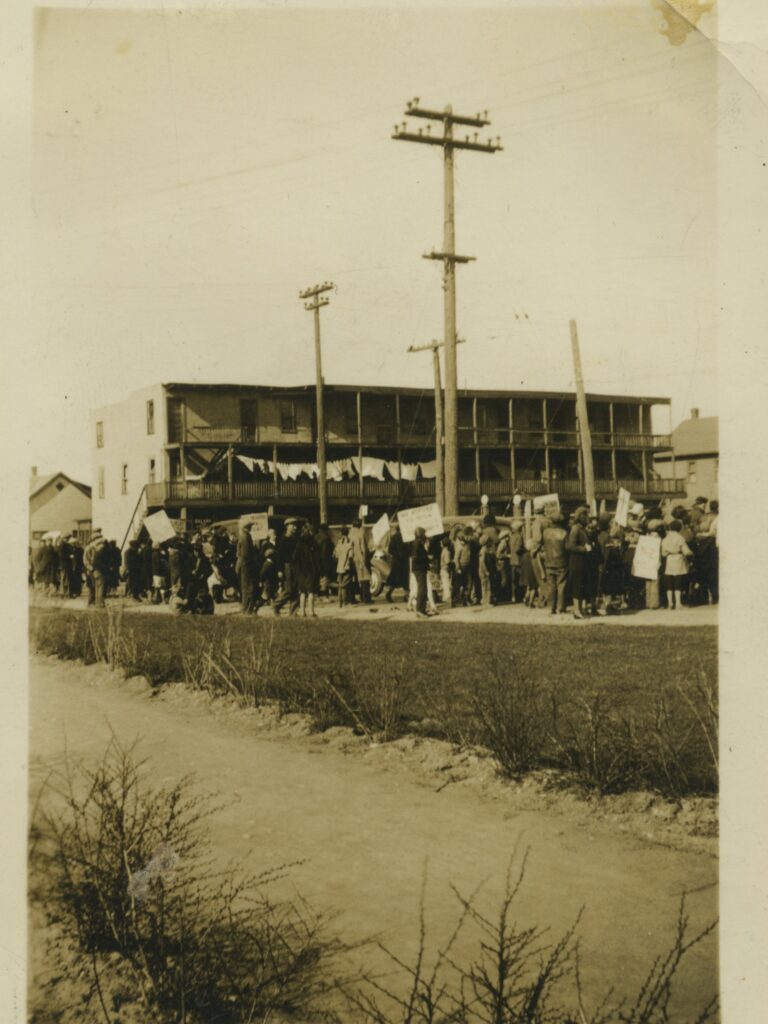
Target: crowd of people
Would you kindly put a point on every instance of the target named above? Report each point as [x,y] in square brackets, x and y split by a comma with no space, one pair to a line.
[584,565]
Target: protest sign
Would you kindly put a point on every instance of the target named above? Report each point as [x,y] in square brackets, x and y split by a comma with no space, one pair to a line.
[363,511]
[159,527]
[622,507]
[645,564]
[380,529]
[528,509]
[258,522]
[546,503]
[427,516]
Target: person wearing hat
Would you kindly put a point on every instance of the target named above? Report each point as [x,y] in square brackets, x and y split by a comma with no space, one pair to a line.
[96,570]
[578,547]
[245,567]
[697,513]
[554,538]
[286,574]
[419,569]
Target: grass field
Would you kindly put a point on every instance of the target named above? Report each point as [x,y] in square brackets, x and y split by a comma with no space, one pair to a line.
[612,711]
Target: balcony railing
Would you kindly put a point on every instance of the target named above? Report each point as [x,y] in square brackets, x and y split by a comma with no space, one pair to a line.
[179,492]
[221,434]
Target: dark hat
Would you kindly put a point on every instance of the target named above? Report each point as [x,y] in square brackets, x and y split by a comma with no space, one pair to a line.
[700,501]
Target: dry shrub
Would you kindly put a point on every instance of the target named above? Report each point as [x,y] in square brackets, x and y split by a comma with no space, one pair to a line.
[125,870]
[512,712]
[516,976]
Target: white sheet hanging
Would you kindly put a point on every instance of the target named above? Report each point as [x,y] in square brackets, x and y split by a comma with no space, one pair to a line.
[428,470]
[410,472]
[394,469]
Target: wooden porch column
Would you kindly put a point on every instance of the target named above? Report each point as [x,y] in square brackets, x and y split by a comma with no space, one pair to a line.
[512,443]
[545,421]
[275,474]
[477,449]
[230,475]
[359,404]
[644,455]
[613,442]
[399,450]
[183,467]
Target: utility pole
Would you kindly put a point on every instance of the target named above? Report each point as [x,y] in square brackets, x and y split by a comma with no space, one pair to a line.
[449,259]
[316,300]
[433,346]
[583,417]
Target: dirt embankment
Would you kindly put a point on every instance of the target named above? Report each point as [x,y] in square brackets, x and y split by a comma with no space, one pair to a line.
[368,819]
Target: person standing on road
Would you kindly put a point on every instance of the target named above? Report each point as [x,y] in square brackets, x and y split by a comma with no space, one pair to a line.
[246,570]
[286,574]
[361,556]
[554,539]
[397,550]
[325,553]
[306,561]
[95,568]
[343,555]
[75,568]
[419,569]
[676,554]
[578,547]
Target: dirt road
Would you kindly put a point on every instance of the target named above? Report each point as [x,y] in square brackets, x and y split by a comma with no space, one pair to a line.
[367,833]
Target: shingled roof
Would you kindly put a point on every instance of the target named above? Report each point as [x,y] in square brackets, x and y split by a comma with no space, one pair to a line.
[696,436]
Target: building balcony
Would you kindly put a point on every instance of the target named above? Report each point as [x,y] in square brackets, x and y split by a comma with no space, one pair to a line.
[177,493]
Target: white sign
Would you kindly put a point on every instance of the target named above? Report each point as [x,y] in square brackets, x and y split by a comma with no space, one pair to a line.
[259,523]
[159,527]
[427,516]
[647,560]
[622,507]
[546,502]
[528,510]
[593,508]
[380,529]
[363,511]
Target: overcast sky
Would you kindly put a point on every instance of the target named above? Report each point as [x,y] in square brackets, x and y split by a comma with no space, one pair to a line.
[192,172]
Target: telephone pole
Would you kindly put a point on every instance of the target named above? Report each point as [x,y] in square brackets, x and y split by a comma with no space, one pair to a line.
[585,437]
[316,300]
[449,259]
[433,346]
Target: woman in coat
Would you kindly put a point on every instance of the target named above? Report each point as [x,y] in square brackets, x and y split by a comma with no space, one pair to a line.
[307,567]
[360,556]
[579,547]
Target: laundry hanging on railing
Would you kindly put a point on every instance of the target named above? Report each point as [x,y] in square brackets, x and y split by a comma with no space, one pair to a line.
[428,469]
[249,463]
[393,468]
[409,472]
[369,467]
[193,477]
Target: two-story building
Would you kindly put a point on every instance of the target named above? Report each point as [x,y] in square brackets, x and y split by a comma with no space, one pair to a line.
[694,456]
[205,452]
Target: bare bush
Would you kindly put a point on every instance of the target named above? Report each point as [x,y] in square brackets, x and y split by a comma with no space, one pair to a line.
[126,872]
[511,710]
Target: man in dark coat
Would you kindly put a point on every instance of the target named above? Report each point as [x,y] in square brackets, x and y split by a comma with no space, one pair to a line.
[132,569]
[419,568]
[246,569]
[325,551]
[75,568]
[398,562]
[286,548]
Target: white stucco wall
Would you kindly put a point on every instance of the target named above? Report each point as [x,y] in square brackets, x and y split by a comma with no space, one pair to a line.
[126,441]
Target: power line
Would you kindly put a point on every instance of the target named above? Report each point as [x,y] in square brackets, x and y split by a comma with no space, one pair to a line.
[449,259]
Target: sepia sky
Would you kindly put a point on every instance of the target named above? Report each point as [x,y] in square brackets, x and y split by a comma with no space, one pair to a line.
[193,171]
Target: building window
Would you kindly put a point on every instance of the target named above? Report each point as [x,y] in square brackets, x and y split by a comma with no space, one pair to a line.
[100,434]
[288,417]
[124,479]
[101,481]
[691,472]
[150,417]
[151,471]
